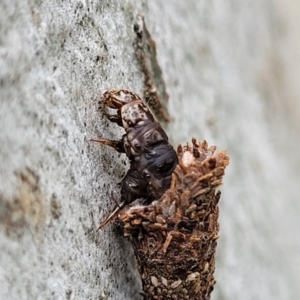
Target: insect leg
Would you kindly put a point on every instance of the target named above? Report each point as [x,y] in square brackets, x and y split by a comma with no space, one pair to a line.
[113,215]
[133,187]
[113,118]
[117,145]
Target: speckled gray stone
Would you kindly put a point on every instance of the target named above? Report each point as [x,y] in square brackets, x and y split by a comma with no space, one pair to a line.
[231,71]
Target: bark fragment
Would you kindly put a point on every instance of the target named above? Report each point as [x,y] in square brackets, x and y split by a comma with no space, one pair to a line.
[155,93]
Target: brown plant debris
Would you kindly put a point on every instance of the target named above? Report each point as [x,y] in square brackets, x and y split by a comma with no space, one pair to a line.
[175,237]
[155,93]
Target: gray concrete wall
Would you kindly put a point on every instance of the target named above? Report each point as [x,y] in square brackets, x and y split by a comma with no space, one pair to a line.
[231,70]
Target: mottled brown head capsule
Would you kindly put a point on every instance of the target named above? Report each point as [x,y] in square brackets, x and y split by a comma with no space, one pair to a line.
[152,158]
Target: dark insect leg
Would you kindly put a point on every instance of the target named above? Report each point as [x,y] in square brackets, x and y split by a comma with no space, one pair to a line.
[114,118]
[133,187]
[118,145]
[113,215]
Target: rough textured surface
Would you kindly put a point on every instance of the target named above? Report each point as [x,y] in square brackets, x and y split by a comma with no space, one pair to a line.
[231,71]
[56,60]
